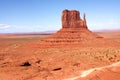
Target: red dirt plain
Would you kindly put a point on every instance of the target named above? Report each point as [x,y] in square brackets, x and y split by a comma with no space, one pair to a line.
[55,63]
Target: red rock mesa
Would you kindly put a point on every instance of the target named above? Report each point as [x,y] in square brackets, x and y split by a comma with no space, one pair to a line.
[74,32]
[74,29]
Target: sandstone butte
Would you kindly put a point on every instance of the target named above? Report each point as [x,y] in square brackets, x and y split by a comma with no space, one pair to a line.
[74,32]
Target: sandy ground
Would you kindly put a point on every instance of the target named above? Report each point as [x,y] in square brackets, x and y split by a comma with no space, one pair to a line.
[85,73]
[70,63]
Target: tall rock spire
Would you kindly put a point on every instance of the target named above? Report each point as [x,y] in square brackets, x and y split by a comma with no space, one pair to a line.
[84,18]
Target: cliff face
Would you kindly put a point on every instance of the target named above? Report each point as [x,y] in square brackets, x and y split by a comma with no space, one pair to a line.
[71,19]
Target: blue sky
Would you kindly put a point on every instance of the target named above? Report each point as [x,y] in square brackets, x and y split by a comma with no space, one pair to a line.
[45,15]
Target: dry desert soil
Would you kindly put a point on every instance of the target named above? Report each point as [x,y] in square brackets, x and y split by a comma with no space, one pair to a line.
[21,62]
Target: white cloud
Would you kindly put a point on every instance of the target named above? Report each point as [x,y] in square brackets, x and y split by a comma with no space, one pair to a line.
[4,26]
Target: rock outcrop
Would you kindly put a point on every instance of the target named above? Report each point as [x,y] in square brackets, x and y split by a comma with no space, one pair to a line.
[71,19]
[74,32]
[74,29]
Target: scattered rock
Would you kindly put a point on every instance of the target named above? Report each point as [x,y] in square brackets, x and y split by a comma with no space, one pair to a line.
[38,61]
[56,69]
[76,64]
[26,64]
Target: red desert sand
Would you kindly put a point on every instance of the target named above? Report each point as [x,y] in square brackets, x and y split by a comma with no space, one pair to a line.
[72,53]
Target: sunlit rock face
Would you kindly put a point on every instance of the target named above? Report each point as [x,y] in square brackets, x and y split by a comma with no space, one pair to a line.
[71,19]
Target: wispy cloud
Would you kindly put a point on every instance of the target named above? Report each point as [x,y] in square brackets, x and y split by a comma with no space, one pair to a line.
[4,26]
